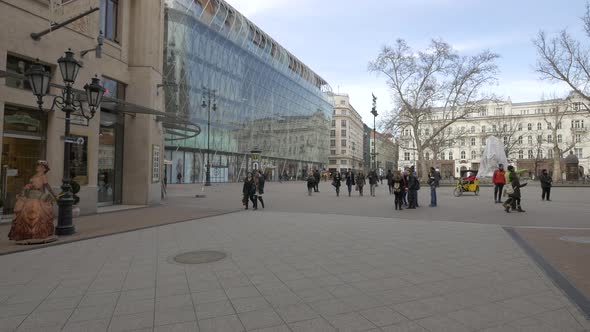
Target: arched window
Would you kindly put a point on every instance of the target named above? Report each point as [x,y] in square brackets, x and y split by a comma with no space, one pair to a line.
[519,139]
[520,154]
[473,155]
[472,141]
[539,126]
[529,126]
[549,139]
[462,154]
[531,155]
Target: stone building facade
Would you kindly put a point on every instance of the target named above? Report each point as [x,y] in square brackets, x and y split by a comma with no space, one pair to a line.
[346,136]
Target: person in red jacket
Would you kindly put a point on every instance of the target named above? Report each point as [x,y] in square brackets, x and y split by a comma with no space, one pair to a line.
[499,180]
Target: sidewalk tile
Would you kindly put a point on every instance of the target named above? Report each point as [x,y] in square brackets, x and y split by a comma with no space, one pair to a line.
[260,319]
[294,313]
[178,327]
[99,325]
[350,322]
[144,320]
[229,323]
[383,316]
[250,304]
[214,309]
[312,325]
[175,315]
[404,327]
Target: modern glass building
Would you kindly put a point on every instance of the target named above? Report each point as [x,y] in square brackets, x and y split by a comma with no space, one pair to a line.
[265,98]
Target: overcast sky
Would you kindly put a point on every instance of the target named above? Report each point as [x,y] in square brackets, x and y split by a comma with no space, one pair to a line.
[337,38]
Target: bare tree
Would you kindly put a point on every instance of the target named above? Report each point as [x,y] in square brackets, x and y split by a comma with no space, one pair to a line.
[561,58]
[435,84]
[507,129]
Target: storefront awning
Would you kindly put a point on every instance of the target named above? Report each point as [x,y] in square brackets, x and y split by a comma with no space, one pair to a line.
[175,127]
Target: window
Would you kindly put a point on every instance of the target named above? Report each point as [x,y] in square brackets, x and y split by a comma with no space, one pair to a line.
[483,129]
[578,138]
[451,155]
[529,126]
[520,154]
[333,152]
[343,123]
[343,151]
[426,131]
[20,66]
[519,139]
[559,125]
[530,140]
[332,161]
[539,126]
[473,155]
[343,112]
[463,155]
[109,11]
[559,138]
[499,111]
[343,162]
[343,143]
[531,155]
[333,123]
[462,142]
[343,102]
[483,141]
[549,125]
[520,127]
[113,88]
[539,138]
[406,156]
[494,128]
[578,153]
[550,153]
[505,139]
[343,132]
[427,156]
[333,133]
[540,153]
[333,142]
[473,141]
[549,139]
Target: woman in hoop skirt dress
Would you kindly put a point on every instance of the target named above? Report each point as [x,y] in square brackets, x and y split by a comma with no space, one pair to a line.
[33,211]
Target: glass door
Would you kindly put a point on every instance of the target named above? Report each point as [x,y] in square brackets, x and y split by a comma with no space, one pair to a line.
[110,159]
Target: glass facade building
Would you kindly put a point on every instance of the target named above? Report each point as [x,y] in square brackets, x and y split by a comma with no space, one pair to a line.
[265,98]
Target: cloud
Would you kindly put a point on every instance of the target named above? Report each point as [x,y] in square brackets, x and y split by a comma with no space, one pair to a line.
[488,42]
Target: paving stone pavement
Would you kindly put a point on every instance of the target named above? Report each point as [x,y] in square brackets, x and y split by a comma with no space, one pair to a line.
[286,272]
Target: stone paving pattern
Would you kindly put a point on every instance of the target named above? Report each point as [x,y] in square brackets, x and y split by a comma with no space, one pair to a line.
[292,271]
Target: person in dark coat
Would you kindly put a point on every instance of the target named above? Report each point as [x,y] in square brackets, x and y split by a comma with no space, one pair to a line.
[337,182]
[389,178]
[373,179]
[405,177]
[360,182]
[398,187]
[546,183]
[317,177]
[514,198]
[311,183]
[433,182]
[259,181]
[413,187]
[349,182]
[249,191]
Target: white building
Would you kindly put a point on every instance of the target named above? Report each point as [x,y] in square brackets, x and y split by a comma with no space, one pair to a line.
[346,136]
[529,130]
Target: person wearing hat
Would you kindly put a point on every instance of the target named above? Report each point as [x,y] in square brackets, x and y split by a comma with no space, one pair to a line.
[514,198]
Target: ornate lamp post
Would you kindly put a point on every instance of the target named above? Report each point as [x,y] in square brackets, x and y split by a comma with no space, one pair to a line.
[209,105]
[39,79]
[374,112]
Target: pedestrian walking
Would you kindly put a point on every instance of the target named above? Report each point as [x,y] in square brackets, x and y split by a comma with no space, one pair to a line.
[546,184]
[398,187]
[337,182]
[413,171]
[389,178]
[499,180]
[360,182]
[249,192]
[373,179]
[349,181]
[514,196]
[310,183]
[405,191]
[317,176]
[433,182]
[259,181]
[413,187]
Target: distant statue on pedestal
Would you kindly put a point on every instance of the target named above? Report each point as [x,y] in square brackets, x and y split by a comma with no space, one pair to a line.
[33,211]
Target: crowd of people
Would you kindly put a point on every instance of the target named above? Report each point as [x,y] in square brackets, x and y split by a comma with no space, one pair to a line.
[404,186]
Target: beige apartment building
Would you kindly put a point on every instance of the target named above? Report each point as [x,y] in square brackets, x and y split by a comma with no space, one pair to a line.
[386,152]
[346,136]
[118,157]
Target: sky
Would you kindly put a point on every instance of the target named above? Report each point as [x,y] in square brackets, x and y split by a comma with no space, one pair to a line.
[338,38]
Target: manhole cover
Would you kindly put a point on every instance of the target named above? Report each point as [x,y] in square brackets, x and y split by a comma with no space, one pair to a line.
[577,239]
[199,257]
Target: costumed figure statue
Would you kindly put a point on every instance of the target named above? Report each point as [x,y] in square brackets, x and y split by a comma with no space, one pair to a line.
[33,211]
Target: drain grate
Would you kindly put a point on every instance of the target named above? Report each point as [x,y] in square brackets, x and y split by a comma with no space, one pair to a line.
[576,239]
[199,257]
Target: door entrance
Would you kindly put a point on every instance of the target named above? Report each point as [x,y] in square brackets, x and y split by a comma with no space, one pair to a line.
[110,159]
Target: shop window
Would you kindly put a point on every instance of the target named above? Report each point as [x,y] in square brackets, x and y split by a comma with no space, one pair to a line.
[109,17]
[79,160]
[18,65]
[23,121]
[113,88]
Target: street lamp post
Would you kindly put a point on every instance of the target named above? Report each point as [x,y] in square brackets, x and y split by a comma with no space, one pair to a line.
[209,105]
[374,112]
[39,81]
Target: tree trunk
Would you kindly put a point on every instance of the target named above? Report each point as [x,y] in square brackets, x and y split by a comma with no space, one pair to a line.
[422,167]
[556,163]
